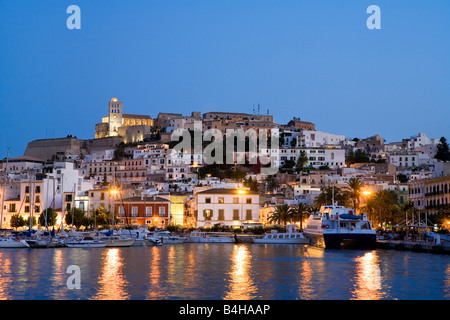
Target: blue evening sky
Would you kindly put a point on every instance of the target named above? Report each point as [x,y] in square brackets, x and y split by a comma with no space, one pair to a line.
[312,59]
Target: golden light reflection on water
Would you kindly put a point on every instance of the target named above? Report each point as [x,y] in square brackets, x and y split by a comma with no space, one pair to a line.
[368,278]
[241,286]
[111,280]
[5,265]
[155,290]
[306,288]
[58,271]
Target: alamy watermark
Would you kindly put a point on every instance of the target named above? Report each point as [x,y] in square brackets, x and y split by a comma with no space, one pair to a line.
[74,280]
[253,146]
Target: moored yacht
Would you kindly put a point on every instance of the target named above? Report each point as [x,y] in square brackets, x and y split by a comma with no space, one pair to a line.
[167,238]
[289,237]
[13,243]
[86,242]
[210,237]
[334,226]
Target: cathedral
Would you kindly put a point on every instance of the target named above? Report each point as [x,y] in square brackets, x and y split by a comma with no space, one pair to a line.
[131,127]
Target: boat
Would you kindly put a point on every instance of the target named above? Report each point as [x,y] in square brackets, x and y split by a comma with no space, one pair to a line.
[289,237]
[334,226]
[115,241]
[167,238]
[10,242]
[86,242]
[139,236]
[210,237]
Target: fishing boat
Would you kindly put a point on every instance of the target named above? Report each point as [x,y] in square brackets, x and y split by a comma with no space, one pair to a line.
[289,237]
[86,242]
[334,226]
[10,242]
[167,238]
[210,237]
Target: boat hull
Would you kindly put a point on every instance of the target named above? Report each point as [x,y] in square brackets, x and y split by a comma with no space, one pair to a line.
[86,245]
[282,241]
[349,240]
[120,243]
[209,240]
[14,244]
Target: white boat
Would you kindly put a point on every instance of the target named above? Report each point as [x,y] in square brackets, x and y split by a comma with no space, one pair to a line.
[335,225]
[86,242]
[167,238]
[139,236]
[289,237]
[115,241]
[210,237]
[13,243]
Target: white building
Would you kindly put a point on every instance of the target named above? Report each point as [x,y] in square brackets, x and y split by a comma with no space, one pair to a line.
[230,207]
[317,157]
[314,139]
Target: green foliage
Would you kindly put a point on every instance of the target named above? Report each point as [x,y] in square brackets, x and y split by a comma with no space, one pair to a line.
[272,183]
[280,214]
[402,178]
[27,221]
[253,185]
[17,221]
[443,152]
[76,217]
[357,157]
[48,218]
[299,212]
[301,161]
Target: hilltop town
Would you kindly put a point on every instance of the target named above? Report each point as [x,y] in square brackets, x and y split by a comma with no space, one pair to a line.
[132,168]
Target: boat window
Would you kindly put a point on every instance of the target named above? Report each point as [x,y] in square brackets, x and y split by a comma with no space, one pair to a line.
[275,236]
[269,236]
[292,235]
[343,225]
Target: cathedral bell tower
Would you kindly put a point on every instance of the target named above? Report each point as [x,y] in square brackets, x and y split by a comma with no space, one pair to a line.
[114,117]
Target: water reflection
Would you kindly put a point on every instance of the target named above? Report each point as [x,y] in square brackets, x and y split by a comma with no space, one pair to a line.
[112,283]
[241,284]
[155,289]
[306,288]
[447,282]
[368,278]
[58,278]
[5,280]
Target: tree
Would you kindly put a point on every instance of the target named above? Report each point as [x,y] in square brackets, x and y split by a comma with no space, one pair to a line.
[75,217]
[443,152]
[48,218]
[298,212]
[402,178]
[330,193]
[301,161]
[271,182]
[280,214]
[17,221]
[27,221]
[383,207]
[354,186]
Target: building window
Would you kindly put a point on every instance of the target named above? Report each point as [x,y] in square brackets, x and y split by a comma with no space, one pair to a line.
[162,211]
[134,211]
[121,211]
[148,211]
[249,200]
[248,215]
[102,196]
[27,208]
[221,214]
[221,200]
[207,214]
[38,189]
[236,200]
[235,214]
[207,200]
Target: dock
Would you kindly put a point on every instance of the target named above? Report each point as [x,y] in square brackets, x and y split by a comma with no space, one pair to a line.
[415,246]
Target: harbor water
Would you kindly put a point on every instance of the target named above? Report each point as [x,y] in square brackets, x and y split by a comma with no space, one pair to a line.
[224,271]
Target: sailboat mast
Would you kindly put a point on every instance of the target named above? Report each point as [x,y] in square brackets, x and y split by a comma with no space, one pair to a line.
[4,188]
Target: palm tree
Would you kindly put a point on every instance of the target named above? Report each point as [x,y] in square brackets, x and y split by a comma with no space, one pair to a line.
[298,212]
[354,186]
[280,214]
[330,193]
